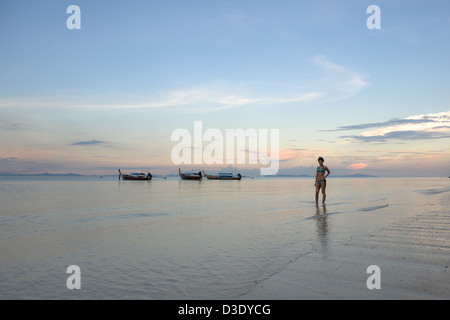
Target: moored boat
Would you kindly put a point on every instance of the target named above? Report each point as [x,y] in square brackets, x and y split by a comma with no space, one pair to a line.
[190,176]
[223,176]
[138,176]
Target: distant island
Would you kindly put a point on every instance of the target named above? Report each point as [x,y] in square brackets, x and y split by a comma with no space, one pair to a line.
[356,175]
[45,174]
[289,176]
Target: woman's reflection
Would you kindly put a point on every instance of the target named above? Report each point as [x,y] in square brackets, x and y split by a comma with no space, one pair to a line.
[322,226]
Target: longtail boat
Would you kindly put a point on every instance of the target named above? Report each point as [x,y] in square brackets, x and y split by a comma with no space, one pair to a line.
[190,176]
[135,176]
[223,176]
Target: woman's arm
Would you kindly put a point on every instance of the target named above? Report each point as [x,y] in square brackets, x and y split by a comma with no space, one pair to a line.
[328,172]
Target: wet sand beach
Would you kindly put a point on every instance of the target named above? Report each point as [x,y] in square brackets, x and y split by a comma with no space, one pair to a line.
[413,255]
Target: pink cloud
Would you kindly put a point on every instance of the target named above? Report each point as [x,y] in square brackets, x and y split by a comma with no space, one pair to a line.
[357,166]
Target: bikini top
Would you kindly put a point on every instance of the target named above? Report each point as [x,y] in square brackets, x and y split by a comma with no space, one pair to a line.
[321,170]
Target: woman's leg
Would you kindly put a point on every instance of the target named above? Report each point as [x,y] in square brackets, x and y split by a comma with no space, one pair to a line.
[317,192]
[324,196]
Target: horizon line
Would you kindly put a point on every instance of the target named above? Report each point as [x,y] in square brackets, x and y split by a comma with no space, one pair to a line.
[287,175]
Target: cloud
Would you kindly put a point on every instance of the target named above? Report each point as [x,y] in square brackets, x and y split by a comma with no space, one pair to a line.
[202,98]
[215,98]
[392,122]
[340,82]
[328,65]
[87,143]
[10,159]
[401,135]
[334,82]
[418,127]
[12,126]
[357,166]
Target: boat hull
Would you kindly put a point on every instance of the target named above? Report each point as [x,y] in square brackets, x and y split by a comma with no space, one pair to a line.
[126,177]
[213,177]
[184,176]
[190,178]
[135,176]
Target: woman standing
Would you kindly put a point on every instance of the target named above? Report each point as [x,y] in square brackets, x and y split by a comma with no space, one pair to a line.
[321,183]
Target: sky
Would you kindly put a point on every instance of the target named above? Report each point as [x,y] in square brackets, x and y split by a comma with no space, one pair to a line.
[110,94]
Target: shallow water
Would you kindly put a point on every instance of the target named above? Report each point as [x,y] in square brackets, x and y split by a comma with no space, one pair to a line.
[171,239]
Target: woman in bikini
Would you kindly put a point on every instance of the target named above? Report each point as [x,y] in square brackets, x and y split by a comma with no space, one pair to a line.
[321,183]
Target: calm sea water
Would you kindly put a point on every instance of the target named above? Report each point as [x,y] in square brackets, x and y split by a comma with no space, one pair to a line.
[171,239]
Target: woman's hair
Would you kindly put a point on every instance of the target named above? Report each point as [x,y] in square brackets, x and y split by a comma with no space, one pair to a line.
[320,158]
